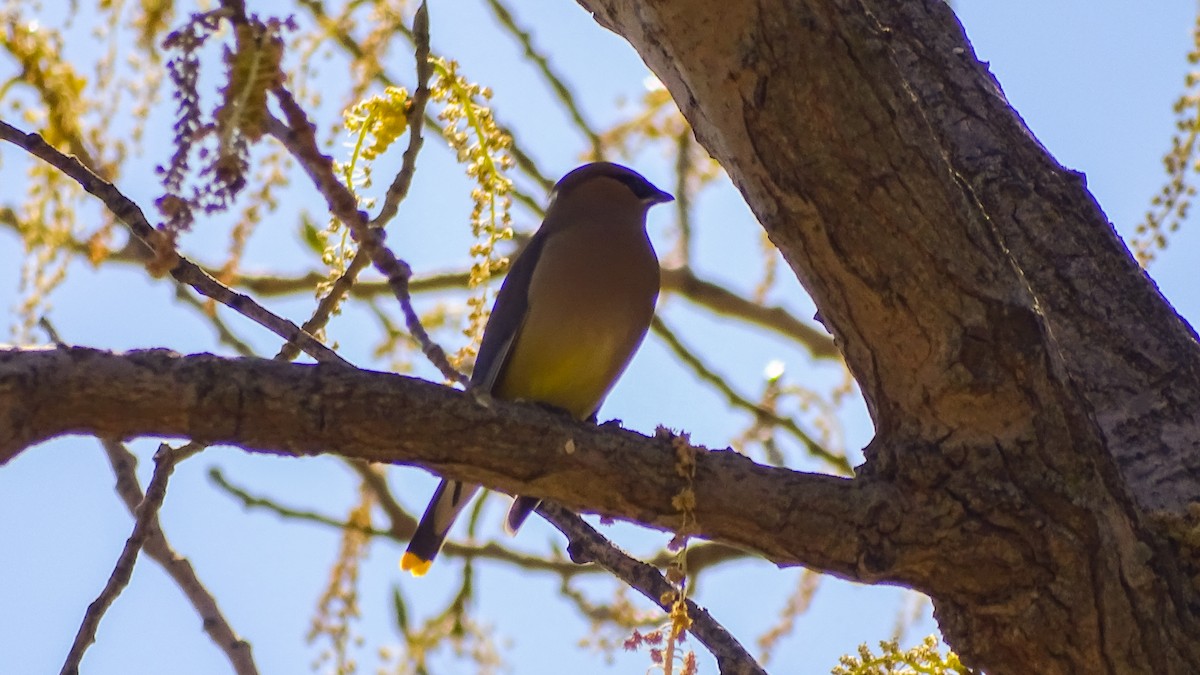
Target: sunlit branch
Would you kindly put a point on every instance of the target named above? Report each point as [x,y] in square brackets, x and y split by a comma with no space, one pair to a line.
[146,514]
[556,83]
[183,270]
[737,400]
[159,549]
[299,136]
[589,546]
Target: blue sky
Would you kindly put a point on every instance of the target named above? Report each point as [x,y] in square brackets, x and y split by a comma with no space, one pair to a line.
[1094,82]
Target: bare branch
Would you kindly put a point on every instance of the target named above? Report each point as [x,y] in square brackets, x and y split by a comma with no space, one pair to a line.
[301,409]
[683,197]
[225,334]
[402,525]
[183,270]
[401,533]
[589,546]
[737,400]
[327,304]
[561,90]
[159,549]
[683,280]
[146,513]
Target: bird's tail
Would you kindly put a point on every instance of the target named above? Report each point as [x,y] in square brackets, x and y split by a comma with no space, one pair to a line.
[450,498]
[519,511]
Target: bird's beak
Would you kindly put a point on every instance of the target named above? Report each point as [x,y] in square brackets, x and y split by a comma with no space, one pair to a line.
[659,197]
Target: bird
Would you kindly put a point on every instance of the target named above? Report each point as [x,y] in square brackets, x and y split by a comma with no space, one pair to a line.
[570,314]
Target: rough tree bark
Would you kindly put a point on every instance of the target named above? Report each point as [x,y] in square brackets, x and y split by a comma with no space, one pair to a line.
[1023,373]
[1036,400]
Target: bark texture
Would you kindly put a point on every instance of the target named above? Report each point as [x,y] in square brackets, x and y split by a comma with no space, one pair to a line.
[267,406]
[1036,400]
[1031,389]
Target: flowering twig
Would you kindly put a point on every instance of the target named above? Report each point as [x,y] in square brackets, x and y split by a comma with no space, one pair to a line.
[589,546]
[416,121]
[298,135]
[180,268]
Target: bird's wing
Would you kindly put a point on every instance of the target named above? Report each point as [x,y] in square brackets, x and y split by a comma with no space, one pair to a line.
[512,304]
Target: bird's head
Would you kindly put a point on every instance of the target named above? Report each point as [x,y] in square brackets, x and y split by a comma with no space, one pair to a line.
[606,180]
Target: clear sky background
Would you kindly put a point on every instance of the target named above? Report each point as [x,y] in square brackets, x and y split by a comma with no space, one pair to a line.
[1094,81]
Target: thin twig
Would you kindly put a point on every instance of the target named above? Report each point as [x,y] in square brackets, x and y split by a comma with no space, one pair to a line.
[327,304]
[250,501]
[700,556]
[681,281]
[146,514]
[589,546]
[416,121]
[159,549]
[739,401]
[556,83]
[402,524]
[51,331]
[299,137]
[489,551]
[683,196]
[713,296]
[182,270]
[399,187]
[225,334]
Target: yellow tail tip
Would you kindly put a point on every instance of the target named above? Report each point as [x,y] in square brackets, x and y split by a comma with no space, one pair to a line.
[415,564]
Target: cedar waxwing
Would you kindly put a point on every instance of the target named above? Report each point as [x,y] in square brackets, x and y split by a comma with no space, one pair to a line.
[569,316]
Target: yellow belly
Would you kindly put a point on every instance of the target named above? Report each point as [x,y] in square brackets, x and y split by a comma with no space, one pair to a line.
[564,368]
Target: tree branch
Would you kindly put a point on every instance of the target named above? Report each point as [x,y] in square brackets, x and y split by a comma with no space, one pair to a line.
[1006,344]
[299,137]
[159,549]
[266,406]
[737,400]
[398,190]
[146,517]
[183,270]
[589,546]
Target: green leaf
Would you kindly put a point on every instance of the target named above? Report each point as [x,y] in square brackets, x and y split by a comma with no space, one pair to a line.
[401,609]
[311,235]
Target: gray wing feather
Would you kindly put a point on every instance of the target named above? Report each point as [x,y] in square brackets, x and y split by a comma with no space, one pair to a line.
[507,316]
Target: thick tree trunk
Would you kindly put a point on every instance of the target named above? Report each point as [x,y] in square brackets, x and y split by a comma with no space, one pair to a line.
[1037,403]
[1029,385]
